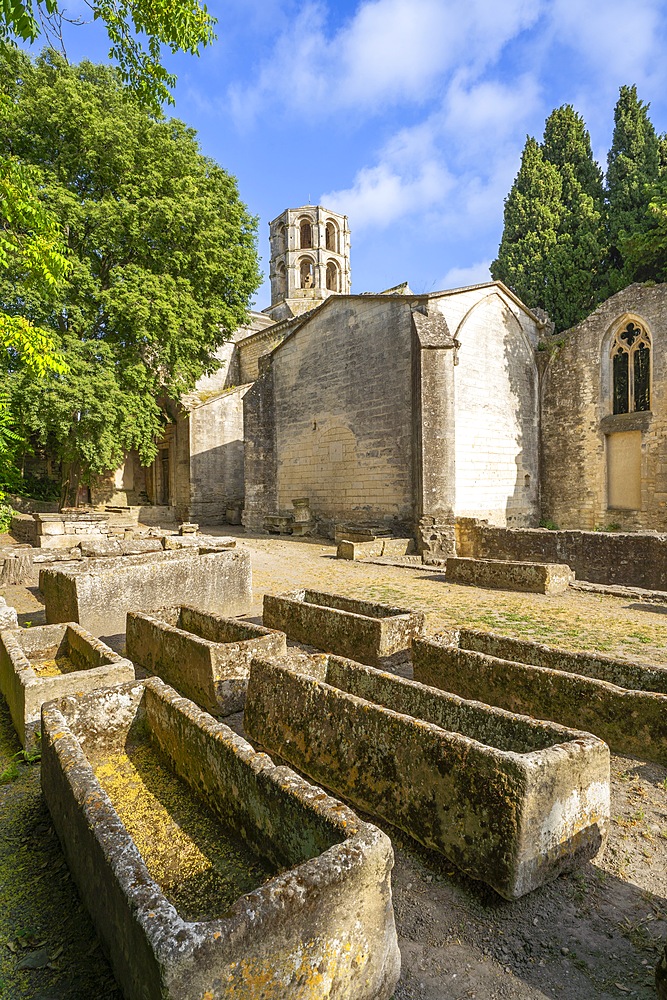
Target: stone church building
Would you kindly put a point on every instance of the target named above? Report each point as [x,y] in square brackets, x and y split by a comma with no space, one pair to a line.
[408,411]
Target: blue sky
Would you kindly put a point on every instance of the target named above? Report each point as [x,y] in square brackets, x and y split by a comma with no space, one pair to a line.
[409,116]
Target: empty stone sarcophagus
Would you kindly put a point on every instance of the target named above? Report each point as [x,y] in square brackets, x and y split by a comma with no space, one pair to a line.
[209,872]
[100,593]
[205,657]
[625,704]
[511,801]
[362,630]
[51,661]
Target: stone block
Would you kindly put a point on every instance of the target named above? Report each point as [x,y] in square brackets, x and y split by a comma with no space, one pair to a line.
[359,550]
[528,577]
[51,661]
[363,630]
[240,881]
[95,548]
[99,593]
[205,657]
[509,800]
[625,704]
[210,543]
[8,616]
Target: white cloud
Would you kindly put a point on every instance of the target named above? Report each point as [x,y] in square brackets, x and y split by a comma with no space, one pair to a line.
[390,51]
[460,277]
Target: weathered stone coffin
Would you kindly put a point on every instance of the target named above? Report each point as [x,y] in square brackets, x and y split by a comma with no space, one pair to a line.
[527,577]
[99,594]
[51,661]
[362,630]
[511,801]
[625,704]
[208,871]
[205,657]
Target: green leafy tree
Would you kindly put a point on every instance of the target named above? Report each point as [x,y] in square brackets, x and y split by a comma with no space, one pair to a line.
[137,29]
[532,221]
[633,167]
[576,265]
[645,250]
[162,252]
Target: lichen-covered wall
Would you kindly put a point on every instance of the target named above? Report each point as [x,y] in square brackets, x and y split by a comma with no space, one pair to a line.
[577,418]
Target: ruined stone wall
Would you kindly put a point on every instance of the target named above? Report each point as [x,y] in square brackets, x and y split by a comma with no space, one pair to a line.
[625,559]
[496,405]
[259,453]
[216,456]
[343,412]
[579,427]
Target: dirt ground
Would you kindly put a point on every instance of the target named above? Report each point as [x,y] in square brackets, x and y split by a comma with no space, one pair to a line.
[594,934]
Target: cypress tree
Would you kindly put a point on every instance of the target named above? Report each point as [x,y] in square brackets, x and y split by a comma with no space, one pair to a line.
[533,216]
[576,265]
[633,167]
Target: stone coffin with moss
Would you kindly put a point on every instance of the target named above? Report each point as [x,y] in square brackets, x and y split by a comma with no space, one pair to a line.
[366,631]
[511,801]
[99,593]
[209,872]
[205,657]
[623,703]
[51,661]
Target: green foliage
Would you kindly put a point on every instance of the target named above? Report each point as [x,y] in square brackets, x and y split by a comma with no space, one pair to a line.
[136,28]
[533,216]
[645,251]
[553,242]
[30,246]
[550,525]
[162,254]
[632,169]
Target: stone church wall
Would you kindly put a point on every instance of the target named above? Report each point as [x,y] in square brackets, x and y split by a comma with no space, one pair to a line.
[343,412]
[216,456]
[496,407]
[583,442]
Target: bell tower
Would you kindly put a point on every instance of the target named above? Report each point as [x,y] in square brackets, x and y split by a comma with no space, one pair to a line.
[310,259]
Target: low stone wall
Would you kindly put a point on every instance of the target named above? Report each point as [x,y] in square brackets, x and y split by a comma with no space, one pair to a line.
[23,528]
[526,577]
[99,593]
[320,919]
[627,559]
[511,801]
[362,630]
[625,704]
[205,657]
[23,654]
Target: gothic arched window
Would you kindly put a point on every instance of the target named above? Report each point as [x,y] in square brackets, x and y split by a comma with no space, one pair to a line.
[631,369]
[305,234]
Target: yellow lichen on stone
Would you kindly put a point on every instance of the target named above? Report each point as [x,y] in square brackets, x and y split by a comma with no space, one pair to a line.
[54,667]
[200,868]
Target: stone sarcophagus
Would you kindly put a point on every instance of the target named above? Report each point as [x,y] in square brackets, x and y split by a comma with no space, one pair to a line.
[625,704]
[51,661]
[505,574]
[205,657]
[511,801]
[362,630]
[100,593]
[209,872]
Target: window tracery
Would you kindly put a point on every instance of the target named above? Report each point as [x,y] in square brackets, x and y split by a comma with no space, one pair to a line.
[631,369]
